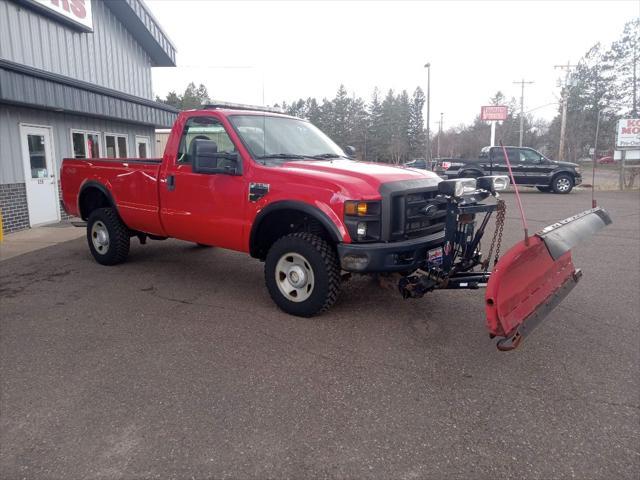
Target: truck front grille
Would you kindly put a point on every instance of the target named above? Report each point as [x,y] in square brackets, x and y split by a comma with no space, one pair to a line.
[416,214]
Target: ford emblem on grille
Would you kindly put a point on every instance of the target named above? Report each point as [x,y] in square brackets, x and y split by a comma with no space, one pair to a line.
[428,210]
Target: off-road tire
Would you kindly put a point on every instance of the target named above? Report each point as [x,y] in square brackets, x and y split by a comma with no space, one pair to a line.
[119,238]
[322,259]
[544,189]
[558,184]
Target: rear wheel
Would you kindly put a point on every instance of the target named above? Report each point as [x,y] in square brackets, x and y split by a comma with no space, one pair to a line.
[302,274]
[544,189]
[107,236]
[562,183]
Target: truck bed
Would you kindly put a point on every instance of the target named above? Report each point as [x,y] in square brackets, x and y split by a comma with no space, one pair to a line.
[132,182]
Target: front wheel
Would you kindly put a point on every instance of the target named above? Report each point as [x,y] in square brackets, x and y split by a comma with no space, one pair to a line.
[107,236]
[302,274]
[562,183]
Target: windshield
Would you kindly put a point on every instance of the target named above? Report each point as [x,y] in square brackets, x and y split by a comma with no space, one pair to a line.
[268,137]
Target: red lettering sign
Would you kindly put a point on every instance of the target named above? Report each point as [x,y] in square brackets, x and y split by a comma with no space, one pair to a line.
[77,7]
[76,11]
[493,112]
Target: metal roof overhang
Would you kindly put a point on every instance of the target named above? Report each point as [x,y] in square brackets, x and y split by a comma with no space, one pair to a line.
[35,88]
[139,21]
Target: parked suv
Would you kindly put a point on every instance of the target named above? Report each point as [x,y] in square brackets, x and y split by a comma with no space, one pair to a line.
[530,168]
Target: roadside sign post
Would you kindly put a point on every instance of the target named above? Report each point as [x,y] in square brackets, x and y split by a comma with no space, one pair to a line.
[493,114]
[628,138]
[493,133]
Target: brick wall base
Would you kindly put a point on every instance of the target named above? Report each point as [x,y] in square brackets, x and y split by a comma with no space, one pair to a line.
[63,215]
[13,203]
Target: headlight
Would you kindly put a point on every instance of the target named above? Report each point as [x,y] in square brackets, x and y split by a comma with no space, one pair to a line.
[457,187]
[493,183]
[362,219]
[356,208]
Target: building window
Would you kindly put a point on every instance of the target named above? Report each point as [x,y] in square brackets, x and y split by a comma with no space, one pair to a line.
[142,146]
[116,146]
[85,144]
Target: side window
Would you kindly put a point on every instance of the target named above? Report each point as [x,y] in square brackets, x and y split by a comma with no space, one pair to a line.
[497,155]
[116,145]
[204,128]
[85,144]
[142,146]
[514,156]
[529,156]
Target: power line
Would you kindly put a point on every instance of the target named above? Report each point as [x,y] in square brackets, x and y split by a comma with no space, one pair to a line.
[522,83]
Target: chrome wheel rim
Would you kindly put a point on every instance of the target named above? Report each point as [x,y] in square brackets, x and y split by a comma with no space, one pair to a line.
[294,277]
[563,184]
[100,237]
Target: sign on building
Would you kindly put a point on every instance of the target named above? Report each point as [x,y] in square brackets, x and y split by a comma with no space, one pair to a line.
[74,12]
[628,133]
[493,112]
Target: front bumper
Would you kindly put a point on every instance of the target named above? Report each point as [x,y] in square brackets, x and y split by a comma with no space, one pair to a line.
[577,179]
[378,257]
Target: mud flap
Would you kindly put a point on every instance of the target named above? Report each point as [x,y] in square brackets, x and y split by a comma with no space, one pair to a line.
[534,276]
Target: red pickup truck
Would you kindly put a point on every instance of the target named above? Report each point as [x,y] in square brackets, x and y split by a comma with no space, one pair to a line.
[276,187]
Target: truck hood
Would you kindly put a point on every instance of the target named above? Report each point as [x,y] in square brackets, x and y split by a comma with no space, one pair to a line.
[353,172]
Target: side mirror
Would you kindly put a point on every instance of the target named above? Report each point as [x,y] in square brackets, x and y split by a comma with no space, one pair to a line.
[350,151]
[205,158]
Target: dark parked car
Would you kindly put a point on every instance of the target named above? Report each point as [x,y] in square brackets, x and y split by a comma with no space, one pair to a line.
[530,168]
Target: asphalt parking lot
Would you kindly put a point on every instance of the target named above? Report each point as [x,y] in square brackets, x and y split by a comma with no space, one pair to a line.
[178,365]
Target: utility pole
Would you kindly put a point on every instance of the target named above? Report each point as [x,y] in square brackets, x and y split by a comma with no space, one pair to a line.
[634,110]
[428,143]
[439,133]
[522,84]
[565,100]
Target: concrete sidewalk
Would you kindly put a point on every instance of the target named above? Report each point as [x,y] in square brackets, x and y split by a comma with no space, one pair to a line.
[25,241]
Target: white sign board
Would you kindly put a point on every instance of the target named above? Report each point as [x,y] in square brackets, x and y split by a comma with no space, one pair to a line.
[628,133]
[76,12]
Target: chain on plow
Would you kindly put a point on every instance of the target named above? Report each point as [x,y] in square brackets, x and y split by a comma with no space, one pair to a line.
[496,241]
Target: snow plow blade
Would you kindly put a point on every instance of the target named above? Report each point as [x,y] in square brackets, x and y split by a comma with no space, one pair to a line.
[534,276]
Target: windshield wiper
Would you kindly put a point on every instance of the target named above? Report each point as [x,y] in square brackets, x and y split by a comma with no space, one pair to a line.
[326,155]
[281,155]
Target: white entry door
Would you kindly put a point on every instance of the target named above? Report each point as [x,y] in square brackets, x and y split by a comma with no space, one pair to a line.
[40,175]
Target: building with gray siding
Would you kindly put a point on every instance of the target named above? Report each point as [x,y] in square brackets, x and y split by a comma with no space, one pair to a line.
[75,81]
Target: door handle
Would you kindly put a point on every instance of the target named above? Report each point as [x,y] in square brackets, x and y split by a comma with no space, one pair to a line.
[171,182]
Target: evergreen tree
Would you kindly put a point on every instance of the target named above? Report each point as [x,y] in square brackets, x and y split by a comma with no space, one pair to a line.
[375,129]
[623,58]
[193,97]
[417,134]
